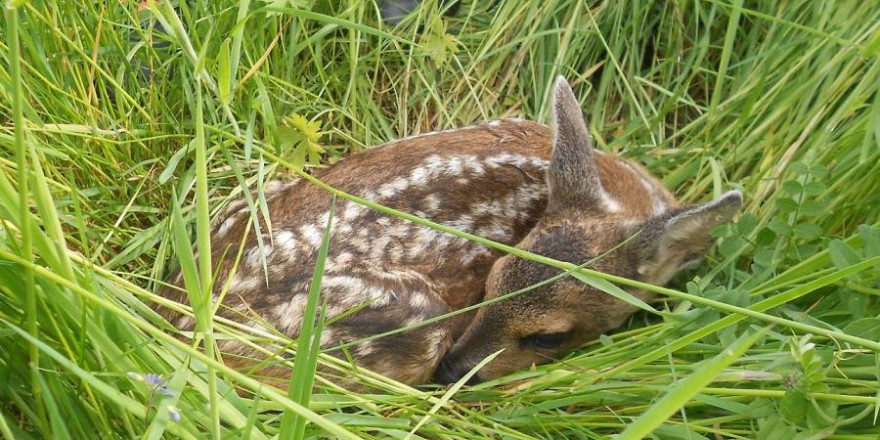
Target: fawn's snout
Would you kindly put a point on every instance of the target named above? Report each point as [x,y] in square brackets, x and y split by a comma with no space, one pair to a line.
[449,371]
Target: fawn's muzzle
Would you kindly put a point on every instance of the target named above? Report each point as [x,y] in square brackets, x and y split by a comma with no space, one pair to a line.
[448,373]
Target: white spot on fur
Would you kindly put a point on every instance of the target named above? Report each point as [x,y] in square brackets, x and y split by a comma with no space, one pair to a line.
[436,343]
[323,219]
[512,206]
[419,176]
[630,222]
[495,231]
[391,189]
[517,160]
[328,337]
[377,247]
[455,165]
[464,223]
[495,123]
[343,282]
[352,211]
[312,235]
[360,244]
[658,205]
[497,161]
[413,320]
[433,163]
[474,165]
[609,203]
[340,262]
[537,162]
[475,252]
[344,258]
[244,283]
[432,202]
[418,301]
[226,226]
[364,349]
[290,314]
[185,323]
[253,254]
[355,291]
[285,241]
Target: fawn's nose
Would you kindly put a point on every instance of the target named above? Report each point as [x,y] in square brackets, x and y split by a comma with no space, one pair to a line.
[448,373]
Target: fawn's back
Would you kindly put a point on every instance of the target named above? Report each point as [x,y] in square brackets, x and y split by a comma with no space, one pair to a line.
[487,180]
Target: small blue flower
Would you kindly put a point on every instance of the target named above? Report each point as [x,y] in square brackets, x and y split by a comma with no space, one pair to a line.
[158,383]
[174,413]
[154,380]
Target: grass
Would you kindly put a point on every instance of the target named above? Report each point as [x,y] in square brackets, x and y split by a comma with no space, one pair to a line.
[118,143]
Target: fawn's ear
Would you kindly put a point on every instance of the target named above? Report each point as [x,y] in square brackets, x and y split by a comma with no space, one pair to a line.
[678,241]
[573,176]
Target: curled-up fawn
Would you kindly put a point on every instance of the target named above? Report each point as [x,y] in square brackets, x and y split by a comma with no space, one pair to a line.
[544,190]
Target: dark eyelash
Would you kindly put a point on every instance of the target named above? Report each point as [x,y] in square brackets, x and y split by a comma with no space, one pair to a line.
[545,340]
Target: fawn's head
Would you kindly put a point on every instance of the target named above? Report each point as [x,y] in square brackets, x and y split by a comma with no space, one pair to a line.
[584,220]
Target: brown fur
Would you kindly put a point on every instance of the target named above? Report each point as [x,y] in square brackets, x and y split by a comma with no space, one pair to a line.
[491,180]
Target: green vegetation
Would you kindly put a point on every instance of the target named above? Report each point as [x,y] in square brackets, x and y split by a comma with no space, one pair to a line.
[119,142]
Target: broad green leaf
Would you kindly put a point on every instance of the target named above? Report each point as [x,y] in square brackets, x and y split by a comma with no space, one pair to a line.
[842,255]
[793,407]
[807,231]
[866,328]
[793,187]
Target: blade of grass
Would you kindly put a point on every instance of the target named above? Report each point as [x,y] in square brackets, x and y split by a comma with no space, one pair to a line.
[293,425]
[203,236]
[726,53]
[24,220]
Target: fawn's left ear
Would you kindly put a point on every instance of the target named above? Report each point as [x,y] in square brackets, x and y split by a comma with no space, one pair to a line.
[679,240]
[573,177]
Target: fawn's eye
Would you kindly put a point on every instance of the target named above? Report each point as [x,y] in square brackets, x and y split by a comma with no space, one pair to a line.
[545,340]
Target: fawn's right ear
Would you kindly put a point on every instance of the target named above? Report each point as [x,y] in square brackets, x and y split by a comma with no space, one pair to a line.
[573,177]
[679,240]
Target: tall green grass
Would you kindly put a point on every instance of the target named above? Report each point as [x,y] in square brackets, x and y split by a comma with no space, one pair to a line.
[119,142]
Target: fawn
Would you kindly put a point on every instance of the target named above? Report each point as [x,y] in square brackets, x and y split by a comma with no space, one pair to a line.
[512,181]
